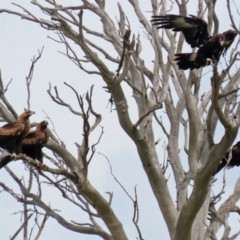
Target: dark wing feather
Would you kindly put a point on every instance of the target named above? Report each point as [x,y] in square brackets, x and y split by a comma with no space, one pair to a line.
[34,138]
[187,61]
[32,145]
[9,135]
[193,60]
[10,131]
[33,151]
[234,154]
[193,28]
[235,160]
[209,51]
[212,49]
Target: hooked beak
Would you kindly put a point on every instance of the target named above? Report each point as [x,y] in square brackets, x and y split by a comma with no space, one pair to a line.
[31,113]
[222,42]
[45,123]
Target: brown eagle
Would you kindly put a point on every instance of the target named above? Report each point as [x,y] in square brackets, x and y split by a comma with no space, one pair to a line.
[232,156]
[11,135]
[33,143]
[196,34]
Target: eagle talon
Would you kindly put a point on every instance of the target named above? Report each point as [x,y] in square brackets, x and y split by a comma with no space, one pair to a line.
[38,163]
[43,165]
[14,156]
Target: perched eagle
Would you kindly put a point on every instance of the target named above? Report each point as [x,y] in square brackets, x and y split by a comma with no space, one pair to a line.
[233,156]
[33,143]
[11,136]
[196,34]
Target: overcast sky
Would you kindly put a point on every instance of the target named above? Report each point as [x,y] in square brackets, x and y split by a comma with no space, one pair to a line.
[20,40]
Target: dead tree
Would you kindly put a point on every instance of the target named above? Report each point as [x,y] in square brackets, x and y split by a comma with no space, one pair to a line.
[156,85]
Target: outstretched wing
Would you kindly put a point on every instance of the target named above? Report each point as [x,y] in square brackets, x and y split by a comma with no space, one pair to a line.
[233,156]
[193,28]
[229,38]
[187,61]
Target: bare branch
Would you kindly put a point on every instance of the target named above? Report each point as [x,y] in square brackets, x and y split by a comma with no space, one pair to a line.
[30,75]
[59,101]
[21,227]
[216,81]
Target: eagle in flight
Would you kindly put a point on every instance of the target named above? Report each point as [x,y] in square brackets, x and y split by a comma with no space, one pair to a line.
[194,29]
[231,158]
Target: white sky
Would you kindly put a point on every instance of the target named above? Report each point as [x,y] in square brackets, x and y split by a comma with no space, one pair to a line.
[19,42]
